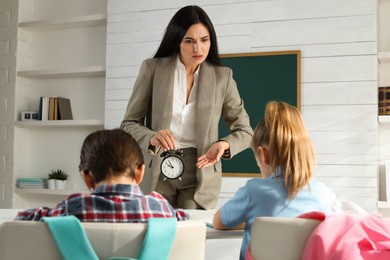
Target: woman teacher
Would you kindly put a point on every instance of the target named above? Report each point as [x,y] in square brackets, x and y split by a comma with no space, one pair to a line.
[177,101]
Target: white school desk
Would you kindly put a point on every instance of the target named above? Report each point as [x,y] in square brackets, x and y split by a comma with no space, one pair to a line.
[207,217]
[203,215]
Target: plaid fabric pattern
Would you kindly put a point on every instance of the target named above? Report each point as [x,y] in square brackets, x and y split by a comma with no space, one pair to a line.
[109,203]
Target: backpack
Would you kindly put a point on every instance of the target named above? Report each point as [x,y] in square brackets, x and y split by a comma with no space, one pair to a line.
[73,243]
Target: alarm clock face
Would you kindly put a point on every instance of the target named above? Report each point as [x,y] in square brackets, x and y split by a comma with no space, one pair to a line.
[172,167]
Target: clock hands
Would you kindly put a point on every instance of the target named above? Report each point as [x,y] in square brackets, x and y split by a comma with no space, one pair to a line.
[170,165]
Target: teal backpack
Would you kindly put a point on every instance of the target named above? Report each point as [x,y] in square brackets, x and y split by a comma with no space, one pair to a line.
[73,243]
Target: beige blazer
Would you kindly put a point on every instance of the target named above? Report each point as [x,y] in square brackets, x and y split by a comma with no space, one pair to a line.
[150,110]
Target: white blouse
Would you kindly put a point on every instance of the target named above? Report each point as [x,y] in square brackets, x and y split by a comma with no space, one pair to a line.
[183,124]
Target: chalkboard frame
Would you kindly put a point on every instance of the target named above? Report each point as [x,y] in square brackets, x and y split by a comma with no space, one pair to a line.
[294,53]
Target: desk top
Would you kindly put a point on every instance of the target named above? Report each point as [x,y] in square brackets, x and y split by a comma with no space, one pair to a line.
[201,215]
[207,217]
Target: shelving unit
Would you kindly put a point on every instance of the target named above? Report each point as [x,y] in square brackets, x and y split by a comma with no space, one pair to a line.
[384,204]
[383,80]
[61,53]
[60,123]
[383,57]
[92,71]
[49,192]
[384,119]
[65,23]
[384,208]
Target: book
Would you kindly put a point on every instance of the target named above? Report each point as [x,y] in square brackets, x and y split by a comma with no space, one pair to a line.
[64,109]
[40,108]
[44,108]
[387,101]
[31,183]
[382,101]
[51,108]
[55,108]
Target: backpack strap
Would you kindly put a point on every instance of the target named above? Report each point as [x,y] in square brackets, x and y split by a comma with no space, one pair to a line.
[73,243]
[70,237]
[159,239]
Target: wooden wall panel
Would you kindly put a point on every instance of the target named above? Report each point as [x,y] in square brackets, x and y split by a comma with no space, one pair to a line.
[335,29]
[339,93]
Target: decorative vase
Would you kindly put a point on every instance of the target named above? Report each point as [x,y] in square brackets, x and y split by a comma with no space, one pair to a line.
[60,184]
[51,184]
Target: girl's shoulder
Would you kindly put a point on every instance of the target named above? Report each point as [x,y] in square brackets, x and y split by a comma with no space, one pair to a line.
[320,188]
[317,183]
[264,183]
[267,188]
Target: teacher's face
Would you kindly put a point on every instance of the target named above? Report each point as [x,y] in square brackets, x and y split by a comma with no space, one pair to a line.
[195,45]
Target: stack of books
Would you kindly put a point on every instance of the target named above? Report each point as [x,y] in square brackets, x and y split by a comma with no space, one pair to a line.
[55,108]
[31,183]
[384,101]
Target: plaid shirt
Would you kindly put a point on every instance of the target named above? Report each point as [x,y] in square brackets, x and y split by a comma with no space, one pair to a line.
[109,203]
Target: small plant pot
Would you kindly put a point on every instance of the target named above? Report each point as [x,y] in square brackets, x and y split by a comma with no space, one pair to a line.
[51,184]
[60,184]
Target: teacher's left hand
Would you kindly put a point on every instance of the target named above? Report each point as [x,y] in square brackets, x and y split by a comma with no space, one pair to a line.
[213,154]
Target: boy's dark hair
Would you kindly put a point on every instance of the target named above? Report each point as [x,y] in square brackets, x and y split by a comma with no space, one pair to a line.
[110,152]
[177,28]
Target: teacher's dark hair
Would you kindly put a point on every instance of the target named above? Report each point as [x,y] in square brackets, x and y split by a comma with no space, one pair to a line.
[179,25]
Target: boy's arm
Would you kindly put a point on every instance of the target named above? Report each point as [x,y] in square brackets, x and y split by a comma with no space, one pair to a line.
[181,215]
[38,213]
[33,214]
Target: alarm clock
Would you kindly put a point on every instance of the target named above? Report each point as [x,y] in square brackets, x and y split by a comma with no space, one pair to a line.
[172,166]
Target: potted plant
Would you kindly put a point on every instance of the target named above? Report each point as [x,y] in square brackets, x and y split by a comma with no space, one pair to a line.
[60,178]
[51,182]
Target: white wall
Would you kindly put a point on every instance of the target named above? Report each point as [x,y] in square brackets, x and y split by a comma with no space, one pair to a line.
[339,70]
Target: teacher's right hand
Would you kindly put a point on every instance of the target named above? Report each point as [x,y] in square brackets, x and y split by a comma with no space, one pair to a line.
[163,139]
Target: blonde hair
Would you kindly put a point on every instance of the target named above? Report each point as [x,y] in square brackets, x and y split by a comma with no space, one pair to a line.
[289,145]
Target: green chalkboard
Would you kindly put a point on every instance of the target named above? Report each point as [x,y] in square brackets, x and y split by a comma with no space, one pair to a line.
[260,77]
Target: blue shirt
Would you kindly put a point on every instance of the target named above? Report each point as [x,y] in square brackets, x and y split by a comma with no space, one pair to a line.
[110,203]
[268,197]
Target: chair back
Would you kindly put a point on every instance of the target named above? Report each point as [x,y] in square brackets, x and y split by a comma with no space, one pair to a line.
[32,240]
[274,238]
